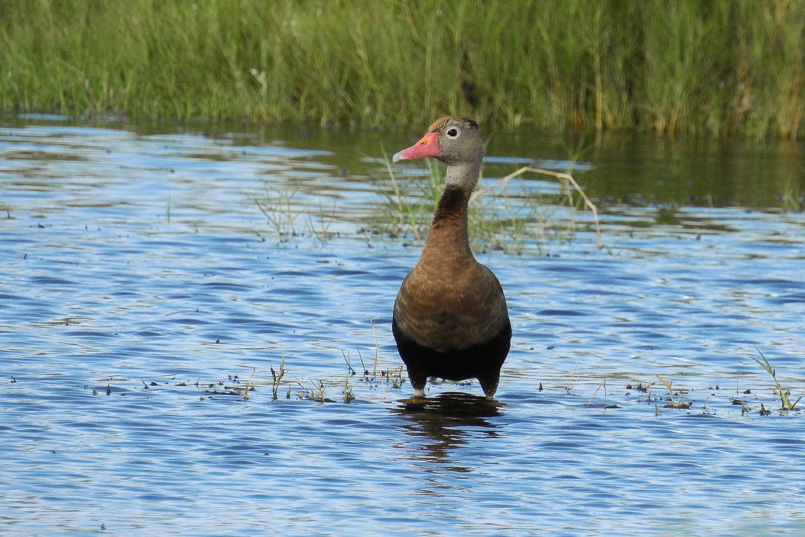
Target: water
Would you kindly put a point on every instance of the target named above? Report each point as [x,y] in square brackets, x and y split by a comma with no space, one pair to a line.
[143,293]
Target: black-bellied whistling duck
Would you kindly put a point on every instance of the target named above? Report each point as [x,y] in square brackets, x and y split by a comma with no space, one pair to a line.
[450,317]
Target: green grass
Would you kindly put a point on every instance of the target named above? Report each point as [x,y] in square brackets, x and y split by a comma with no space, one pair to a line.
[715,67]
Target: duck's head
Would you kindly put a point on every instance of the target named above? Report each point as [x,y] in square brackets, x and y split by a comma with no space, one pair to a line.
[453,140]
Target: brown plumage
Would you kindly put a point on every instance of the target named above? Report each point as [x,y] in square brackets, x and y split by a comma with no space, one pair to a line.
[450,317]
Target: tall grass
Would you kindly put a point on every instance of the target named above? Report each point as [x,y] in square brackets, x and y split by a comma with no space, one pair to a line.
[717,67]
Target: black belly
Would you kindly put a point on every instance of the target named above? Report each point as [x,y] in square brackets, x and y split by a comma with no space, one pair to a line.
[480,361]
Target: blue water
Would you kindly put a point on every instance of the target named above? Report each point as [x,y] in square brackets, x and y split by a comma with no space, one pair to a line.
[145,300]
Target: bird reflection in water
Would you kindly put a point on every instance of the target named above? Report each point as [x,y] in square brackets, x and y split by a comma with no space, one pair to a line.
[447,422]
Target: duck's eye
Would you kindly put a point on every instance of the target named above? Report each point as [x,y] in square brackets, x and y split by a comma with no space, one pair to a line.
[453,133]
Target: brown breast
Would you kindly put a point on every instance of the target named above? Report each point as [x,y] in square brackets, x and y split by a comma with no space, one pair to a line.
[449,300]
[465,309]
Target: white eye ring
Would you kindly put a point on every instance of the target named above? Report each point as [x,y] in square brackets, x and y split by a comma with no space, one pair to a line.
[453,133]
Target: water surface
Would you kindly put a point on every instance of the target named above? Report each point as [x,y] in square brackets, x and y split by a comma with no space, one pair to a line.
[143,293]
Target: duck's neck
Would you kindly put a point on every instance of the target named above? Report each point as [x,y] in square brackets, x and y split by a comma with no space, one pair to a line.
[448,237]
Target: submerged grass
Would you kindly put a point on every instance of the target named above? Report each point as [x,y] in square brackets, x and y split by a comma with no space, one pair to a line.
[697,66]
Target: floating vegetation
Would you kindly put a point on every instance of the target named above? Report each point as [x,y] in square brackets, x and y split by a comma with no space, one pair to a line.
[741,401]
[603,387]
[351,385]
[376,377]
[314,394]
[319,224]
[232,386]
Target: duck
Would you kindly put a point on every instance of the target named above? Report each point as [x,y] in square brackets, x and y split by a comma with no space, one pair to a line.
[450,317]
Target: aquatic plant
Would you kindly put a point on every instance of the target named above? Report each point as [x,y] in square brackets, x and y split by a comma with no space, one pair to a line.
[247,386]
[276,207]
[408,208]
[319,227]
[573,377]
[671,403]
[350,370]
[314,394]
[347,391]
[394,376]
[567,180]
[606,405]
[784,394]
[276,378]
[790,198]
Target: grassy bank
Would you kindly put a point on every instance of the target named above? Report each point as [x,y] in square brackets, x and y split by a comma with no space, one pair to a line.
[713,67]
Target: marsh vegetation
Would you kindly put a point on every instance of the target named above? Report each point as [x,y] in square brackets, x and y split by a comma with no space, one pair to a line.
[696,66]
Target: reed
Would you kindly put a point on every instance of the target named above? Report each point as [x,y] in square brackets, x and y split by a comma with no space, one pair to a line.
[690,66]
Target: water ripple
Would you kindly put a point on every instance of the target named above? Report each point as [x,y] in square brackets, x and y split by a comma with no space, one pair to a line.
[147,307]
